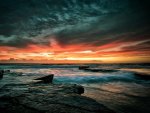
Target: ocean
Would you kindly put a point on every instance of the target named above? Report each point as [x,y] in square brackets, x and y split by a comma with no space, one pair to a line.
[121,91]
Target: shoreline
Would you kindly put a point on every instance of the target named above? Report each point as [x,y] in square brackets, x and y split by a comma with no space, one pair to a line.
[117,92]
[16,96]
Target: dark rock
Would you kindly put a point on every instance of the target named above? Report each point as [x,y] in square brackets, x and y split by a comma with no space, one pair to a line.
[78,89]
[6,71]
[143,76]
[46,79]
[46,98]
[83,67]
[1,74]
[100,70]
[45,101]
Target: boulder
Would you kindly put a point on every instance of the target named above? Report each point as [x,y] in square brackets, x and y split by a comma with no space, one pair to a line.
[45,79]
[78,89]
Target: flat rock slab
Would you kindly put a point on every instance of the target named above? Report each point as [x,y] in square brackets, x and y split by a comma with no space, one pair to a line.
[46,98]
[83,67]
[46,79]
[142,75]
[100,70]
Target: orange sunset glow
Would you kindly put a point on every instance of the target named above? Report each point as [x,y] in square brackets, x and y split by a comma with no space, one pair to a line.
[79,53]
[74,56]
[77,32]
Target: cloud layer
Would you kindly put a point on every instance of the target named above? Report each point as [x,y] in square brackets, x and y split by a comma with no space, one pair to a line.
[61,26]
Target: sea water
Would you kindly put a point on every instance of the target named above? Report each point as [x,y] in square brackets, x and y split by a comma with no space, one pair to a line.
[121,91]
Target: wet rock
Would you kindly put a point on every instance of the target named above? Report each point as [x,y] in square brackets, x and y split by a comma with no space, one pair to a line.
[6,71]
[50,99]
[78,89]
[1,74]
[46,98]
[143,76]
[83,67]
[100,70]
[68,103]
[45,79]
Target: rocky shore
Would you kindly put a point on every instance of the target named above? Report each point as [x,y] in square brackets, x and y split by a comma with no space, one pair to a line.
[44,97]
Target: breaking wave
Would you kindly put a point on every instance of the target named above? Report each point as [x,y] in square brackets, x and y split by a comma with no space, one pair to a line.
[104,78]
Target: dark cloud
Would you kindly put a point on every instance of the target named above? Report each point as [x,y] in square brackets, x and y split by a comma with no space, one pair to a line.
[16,42]
[96,22]
[128,24]
[118,27]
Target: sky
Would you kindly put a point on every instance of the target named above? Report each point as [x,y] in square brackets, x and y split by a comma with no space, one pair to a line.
[74,31]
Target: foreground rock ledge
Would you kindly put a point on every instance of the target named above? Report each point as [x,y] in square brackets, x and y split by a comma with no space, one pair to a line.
[16,97]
